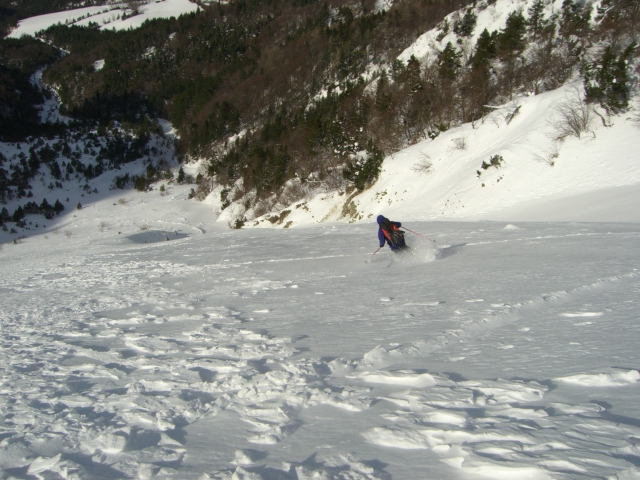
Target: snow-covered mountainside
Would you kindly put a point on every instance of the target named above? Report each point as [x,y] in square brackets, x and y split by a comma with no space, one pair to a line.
[542,159]
[522,153]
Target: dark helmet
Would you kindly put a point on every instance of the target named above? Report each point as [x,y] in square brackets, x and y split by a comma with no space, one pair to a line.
[380,219]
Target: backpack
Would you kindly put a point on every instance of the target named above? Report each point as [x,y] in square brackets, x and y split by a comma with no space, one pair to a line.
[393,234]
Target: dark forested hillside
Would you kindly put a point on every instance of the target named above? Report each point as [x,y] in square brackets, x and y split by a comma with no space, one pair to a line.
[301,86]
[19,98]
[253,65]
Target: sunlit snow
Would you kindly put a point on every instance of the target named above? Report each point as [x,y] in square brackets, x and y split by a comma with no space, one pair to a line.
[165,344]
[107,17]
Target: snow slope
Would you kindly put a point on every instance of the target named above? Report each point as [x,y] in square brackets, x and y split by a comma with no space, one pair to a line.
[145,340]
[491,17]
[29,26]
[142,338]
[454,190]
[152,10]
[106,16]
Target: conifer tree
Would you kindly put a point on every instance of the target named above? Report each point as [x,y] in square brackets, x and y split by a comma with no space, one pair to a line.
[449,62]
[413,74]
[606,79]
[46,209]
[4,185]
[398,70]
[181,176]
[365,172]
[465,26]
[511,40]
[536,20]
[383,98]
[18,214]
[575,19]
[58,207]
[55,170]
[486,49]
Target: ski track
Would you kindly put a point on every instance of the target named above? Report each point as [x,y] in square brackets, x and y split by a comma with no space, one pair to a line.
[105,383]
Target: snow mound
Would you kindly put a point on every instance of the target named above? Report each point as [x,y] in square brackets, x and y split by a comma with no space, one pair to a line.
[400,378]
[108,17]
[602,379]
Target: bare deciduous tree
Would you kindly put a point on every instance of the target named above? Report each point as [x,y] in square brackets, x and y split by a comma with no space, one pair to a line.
[459,143]
[423,165]
[548,156]
[573,117]
[133,5]
[292,191]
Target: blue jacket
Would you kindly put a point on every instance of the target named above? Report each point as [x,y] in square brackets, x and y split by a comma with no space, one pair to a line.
[384,239]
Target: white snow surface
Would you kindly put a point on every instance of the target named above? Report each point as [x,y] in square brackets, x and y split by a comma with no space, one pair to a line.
[108,17]
[144,339]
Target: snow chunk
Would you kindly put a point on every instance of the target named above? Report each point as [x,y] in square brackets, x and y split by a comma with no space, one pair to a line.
[406,379]
[243,457]
[42,464]
[602,379]
[499,472]
[446,418]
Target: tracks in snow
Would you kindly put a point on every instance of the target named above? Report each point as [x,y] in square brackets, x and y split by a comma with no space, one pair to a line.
[112,367]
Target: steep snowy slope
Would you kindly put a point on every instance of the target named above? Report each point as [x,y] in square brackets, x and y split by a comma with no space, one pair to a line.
[592,178]
[144,341]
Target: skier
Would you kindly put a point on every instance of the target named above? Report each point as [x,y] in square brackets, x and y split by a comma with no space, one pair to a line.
[390,233]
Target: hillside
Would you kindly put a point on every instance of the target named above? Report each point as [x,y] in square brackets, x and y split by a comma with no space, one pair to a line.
[438,82]
[540,178]
[118,16]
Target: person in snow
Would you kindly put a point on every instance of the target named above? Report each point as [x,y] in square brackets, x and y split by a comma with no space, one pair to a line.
[390,233]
